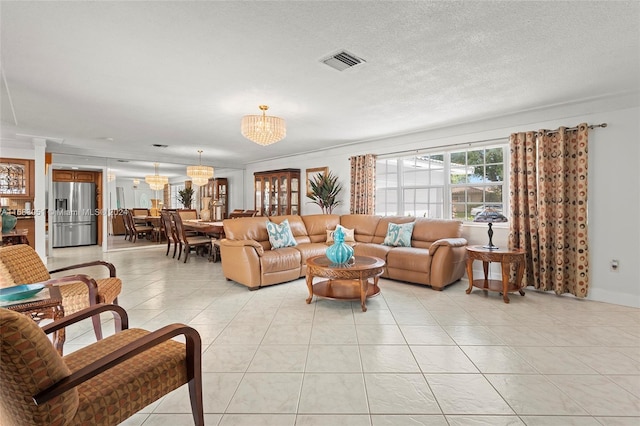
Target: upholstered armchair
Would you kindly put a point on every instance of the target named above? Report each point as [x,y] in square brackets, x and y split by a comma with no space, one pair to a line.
[101,384]
[20,264]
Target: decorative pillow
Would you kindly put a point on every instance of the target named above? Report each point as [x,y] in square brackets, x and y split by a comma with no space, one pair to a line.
[348,235]
[399,235]
[280,235]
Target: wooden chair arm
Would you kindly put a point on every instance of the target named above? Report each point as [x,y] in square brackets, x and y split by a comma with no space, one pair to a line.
[110,266]
[193,348]
[86,279]
[87,313]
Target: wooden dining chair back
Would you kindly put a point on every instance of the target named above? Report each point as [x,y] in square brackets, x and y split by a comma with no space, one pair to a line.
[170,232]
[190,242]
[128,230]
[103,383]
[22,265]
[138,230]
[188,214]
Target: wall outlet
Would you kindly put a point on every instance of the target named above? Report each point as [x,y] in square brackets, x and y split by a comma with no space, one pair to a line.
[614,265]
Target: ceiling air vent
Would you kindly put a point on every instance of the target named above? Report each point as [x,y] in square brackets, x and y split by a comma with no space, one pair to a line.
[342,60]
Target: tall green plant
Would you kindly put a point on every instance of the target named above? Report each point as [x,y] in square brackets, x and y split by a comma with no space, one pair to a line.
[324,191]
[185,196]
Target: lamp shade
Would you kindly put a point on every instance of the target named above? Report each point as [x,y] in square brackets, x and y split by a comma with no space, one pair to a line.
[263,129]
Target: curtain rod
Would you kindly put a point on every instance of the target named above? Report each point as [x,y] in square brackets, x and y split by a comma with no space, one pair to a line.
[573,129]
[452,145]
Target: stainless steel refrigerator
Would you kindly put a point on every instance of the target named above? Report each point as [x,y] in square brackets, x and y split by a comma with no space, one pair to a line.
[74,214]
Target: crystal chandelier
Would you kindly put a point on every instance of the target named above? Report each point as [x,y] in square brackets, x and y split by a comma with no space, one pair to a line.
[200,174]
[155,181]
[263,129]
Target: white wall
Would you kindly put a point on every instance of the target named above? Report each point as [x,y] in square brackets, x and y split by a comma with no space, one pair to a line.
[614,198]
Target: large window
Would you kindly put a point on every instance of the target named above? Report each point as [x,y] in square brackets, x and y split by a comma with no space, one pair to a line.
[466,184]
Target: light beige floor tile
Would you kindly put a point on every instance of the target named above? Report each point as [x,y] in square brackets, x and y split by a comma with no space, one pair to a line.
[400,394]
[336,334]
[414,317]
[178,419]
[217,390]
[466,394]
[606,360]
[330,393]
[257,420]
[332,420]
[619,421]
[426,335]
[630,383]
[279,358]
[269,393]
[484,421]
[553,360]
[497,359]
[388,359]
[242,334]
[228,358]
[408,420]
[598,395]
[374,316]
[333,359]
[379,334]
[442,359]
[472,335]
[562,421]
[288,334]
[519,335]
[534,395]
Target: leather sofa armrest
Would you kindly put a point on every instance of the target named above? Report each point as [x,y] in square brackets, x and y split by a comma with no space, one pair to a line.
[451,242]
[243,243]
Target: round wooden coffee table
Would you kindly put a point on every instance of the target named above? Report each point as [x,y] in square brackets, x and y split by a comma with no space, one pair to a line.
[345,282]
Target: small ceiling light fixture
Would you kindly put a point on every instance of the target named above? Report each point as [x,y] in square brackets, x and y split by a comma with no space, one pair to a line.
[111,177]
[156,182]
[200,174]
[263,129]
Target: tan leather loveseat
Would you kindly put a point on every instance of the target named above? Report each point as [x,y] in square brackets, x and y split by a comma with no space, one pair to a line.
[436,256]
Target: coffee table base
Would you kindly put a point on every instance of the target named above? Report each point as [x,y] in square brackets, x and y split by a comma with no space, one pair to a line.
[344,290]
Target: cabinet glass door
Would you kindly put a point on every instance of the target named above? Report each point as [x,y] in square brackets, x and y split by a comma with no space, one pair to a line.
[258,200]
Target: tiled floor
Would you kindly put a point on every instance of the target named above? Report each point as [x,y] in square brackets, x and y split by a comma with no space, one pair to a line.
[416,357]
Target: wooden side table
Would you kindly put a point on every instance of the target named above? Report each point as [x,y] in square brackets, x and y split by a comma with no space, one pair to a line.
[506,258]
[45,305]
[15,236]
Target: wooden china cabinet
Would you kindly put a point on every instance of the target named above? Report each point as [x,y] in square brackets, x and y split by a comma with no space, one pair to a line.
[217,189]
[277,192]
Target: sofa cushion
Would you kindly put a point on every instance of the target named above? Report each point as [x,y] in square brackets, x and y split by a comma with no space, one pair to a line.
[284,259]
[317,226]
[348,235]
[371,249]
[399,235]
[364,226]
[409,258]
[280,235]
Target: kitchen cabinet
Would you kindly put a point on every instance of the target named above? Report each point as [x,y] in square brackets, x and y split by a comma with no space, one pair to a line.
[73,176]
[17,178]
[277,192]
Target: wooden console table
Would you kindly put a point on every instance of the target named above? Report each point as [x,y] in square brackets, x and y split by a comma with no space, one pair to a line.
[505,258]
[15,236]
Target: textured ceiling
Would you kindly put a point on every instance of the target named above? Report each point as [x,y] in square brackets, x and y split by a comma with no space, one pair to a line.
[109,79]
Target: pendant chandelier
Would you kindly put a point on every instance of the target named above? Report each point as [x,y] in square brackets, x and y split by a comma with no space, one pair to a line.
[200,174]
[155,181]
[263,129]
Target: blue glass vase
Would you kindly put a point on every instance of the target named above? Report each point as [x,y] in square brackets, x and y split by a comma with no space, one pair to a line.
[339,253]
[8,221]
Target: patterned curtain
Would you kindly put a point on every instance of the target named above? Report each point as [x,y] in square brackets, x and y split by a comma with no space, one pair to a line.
[524,202]
[552,209]
[363,184]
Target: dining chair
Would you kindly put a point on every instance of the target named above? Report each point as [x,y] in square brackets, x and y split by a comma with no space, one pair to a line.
[189,242]
[138,229]
[103,383]
[170,232]
[20,264]
[128,231]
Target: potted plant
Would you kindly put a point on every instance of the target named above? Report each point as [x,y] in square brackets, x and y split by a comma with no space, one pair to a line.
[325,189]
[185,196]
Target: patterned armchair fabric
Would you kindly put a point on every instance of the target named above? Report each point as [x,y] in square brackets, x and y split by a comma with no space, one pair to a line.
[39,387]
[23,265]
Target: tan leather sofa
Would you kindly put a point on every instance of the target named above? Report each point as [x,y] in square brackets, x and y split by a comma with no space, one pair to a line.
[436,256]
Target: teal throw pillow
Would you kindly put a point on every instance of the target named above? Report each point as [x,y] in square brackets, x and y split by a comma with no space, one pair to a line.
[399,235]
[280,235]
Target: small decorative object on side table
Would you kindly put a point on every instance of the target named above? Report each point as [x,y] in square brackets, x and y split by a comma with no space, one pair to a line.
[506,258]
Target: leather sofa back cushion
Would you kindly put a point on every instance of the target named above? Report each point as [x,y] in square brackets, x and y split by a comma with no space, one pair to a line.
[318,224]
[247,228]
[363,225]
[298,229]
[383,226]
[427,231]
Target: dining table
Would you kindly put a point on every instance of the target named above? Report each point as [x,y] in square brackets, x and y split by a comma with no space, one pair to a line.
[213,229]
